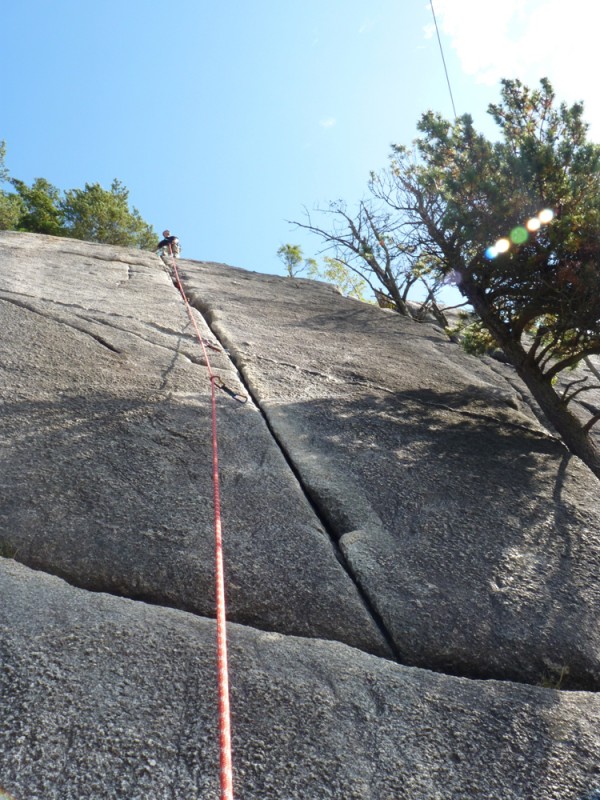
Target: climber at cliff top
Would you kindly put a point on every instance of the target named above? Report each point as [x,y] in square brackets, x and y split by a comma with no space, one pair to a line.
[170,244]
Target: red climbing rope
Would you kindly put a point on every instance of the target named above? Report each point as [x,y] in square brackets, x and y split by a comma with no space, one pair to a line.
[226,769]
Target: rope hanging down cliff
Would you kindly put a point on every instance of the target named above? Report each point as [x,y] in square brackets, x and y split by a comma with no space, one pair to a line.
[226,770]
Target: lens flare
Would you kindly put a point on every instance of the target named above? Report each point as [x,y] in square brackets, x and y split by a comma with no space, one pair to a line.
[519,235]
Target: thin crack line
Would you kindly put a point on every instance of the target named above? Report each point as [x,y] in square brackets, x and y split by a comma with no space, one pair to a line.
[51,317]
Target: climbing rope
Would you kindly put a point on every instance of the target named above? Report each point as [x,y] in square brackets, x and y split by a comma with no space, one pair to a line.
[439,38]
[226,769]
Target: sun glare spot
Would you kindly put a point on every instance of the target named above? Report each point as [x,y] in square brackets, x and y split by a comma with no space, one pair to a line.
[519,235]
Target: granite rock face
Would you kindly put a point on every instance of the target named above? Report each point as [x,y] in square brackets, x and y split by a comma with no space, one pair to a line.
[471,529]
[395,517]
[106,458]
[108,698]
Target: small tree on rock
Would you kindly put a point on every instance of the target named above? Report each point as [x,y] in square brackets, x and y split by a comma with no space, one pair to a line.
[332,271]
[466,209]
[336,272]
[370,245]
[474,206]
[291,255]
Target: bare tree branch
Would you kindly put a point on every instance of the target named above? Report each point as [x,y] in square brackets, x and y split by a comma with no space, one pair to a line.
[590,423]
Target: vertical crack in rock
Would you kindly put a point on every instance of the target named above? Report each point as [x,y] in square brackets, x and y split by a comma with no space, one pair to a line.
[313,500]
[471,533]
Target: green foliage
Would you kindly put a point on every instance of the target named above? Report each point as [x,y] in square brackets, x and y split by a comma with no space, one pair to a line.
[436,213]
[556,679]
[473,336]
[336,272]
[291,255]
[98,215]
[332,271]
[3,169]
[10,205]
[7,550]
[40,207]
[93,213]
[370,245]
[457,194]
[466,192]
[11,210]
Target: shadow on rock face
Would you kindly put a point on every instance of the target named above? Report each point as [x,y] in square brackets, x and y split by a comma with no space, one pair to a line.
[475,540]
[115,494]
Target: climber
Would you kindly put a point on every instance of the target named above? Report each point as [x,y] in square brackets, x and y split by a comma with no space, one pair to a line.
[169,245]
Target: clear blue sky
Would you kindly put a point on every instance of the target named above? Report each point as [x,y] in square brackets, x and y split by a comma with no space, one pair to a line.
[224,119]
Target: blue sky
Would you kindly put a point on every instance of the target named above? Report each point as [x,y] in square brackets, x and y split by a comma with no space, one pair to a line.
[225,119]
